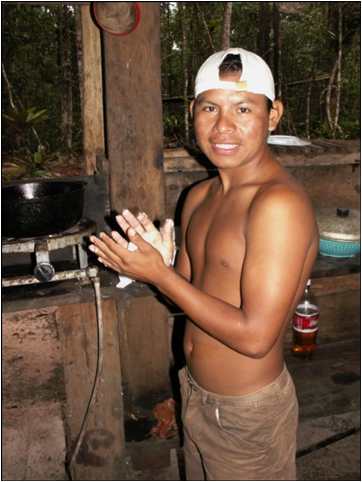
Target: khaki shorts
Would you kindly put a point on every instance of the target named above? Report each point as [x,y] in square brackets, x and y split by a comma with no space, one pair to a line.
[248,437]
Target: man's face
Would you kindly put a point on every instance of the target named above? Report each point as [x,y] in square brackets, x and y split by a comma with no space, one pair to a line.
[231,126]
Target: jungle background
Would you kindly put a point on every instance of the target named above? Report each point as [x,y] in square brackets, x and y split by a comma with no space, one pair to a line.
[313,49]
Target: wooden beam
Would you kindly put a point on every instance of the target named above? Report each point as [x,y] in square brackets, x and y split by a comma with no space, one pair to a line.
[145,349]
[92,109]
[134,116]
[102,453]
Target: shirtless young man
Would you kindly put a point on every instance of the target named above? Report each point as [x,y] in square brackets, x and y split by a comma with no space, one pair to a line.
[249,241]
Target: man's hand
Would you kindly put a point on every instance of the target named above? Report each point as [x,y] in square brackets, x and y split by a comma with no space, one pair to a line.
[163,240]
[143,263]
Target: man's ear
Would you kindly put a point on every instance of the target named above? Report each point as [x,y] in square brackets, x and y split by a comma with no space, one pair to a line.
[275,114]
[191,108]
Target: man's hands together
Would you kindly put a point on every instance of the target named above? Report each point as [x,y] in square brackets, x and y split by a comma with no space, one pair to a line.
[148,251]
[163,240]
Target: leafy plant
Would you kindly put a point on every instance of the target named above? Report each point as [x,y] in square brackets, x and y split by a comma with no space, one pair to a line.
[26,118]
[32,154]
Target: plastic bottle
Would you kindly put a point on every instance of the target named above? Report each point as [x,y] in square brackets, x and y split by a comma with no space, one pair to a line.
[305,324]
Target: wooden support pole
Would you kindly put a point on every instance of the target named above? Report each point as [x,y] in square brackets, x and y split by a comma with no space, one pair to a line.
[134,115]
[92,109]
[145,349]
[102,453]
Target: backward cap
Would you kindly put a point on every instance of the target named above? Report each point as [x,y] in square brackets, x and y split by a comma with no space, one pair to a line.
[256,76]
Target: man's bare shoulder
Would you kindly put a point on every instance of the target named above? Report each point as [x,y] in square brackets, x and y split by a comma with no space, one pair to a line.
[284,200]
[198,192]
[281,192]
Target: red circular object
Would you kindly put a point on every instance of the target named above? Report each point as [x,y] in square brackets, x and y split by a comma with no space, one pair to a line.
[104,27]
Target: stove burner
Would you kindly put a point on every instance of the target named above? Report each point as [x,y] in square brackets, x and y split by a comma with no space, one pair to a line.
[41,246]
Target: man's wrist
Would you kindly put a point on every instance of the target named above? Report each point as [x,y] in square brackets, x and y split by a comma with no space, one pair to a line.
[164,278]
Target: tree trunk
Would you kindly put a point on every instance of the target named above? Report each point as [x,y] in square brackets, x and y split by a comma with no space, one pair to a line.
[66,77]
[263,40]
[79,50]
[225,44]
[308,110]
[336,125]
[329,94]
[207,30]
[9,88]
[333,90]
[167,51]
[92,98]
[277,50]
[185,70]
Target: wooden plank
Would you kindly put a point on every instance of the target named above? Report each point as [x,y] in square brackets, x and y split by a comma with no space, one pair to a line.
[175,152]
[327,266]
[337,461]
[144,339]
[134,116]
[326,159]
[92,110]
[177,185]
[321,388]
[327,186]
[330,186]
[101,453]
[336,284]
[180,159]
[330,179]
[340,316]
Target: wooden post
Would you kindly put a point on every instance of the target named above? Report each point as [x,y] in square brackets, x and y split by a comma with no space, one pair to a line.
[102,453]
[92,109]
[145,348]
[134,115]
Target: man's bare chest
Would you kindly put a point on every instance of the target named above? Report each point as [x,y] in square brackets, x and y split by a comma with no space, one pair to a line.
[216,235]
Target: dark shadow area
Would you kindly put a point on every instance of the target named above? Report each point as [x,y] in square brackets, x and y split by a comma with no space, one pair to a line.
[179,362]
[211,171]
[111,222]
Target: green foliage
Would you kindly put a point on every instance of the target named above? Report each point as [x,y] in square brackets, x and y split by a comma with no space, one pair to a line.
[24,122]
[31,154]
[309,34]
[32,42]
[26,118]
[25,163]
[33,37]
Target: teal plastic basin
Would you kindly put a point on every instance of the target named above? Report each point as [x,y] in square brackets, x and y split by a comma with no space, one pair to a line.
[339,249]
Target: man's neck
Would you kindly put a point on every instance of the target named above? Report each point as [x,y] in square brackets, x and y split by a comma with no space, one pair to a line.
[257,170]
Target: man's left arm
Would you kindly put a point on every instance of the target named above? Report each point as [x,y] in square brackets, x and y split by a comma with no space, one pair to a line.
[281,247]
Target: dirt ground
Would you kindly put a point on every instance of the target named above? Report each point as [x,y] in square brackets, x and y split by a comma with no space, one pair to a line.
[33,397]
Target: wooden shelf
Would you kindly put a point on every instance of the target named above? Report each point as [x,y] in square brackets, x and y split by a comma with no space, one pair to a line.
[328,266]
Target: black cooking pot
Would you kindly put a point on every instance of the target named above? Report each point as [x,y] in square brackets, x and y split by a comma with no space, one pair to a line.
[34,209]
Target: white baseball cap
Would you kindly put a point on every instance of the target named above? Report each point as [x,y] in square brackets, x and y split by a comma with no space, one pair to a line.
[256,76]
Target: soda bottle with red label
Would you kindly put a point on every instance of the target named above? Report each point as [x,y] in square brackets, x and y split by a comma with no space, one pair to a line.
[305,324]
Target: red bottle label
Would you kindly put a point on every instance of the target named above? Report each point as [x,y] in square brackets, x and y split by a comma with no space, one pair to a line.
[305,322]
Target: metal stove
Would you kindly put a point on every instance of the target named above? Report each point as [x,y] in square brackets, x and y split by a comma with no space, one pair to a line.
[41,247]
[45,272]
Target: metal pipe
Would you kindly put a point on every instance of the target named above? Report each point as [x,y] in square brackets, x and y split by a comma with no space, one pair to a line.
[29,280]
